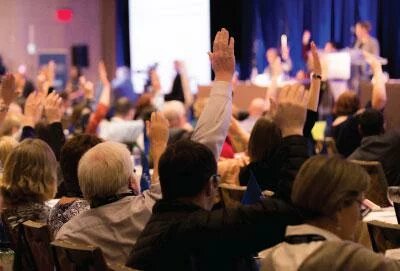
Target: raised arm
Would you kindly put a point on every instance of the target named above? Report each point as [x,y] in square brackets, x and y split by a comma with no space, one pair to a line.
[379,98]
[8,94]
[53,112]
[213,124]
[157,130]
[315,80]
[104,102]
[290,117]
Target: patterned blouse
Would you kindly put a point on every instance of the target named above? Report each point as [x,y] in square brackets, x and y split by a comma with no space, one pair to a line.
[61,213]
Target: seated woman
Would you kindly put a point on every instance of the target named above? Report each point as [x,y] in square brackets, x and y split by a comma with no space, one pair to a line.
[29,179]
[263,147]
[71,202]
[345,126]
[329,192]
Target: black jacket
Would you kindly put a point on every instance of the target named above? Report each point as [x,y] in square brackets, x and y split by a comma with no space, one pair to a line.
[181,236]
[278,173]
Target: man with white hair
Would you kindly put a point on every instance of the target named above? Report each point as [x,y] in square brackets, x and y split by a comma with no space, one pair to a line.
[256,109]
[117,216]
[175,113]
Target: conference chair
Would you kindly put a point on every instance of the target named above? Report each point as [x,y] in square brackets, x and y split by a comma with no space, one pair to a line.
[383,235]
[78,257]
[377,191]
[37,236]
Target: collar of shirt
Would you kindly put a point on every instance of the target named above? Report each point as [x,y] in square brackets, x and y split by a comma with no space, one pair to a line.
[309,229]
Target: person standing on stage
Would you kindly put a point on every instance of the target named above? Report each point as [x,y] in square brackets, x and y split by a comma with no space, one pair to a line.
[364,40]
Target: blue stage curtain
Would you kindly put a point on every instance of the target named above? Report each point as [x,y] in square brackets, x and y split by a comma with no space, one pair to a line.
[328,20]
[122,33]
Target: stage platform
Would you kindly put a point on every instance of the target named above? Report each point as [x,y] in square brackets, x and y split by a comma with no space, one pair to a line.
[244,93]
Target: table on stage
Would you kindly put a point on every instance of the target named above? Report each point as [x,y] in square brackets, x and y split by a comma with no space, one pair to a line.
[244,93]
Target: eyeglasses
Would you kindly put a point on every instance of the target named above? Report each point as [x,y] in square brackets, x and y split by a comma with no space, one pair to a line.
[364,209]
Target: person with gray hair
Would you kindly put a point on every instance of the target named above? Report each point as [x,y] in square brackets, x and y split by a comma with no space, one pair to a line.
[116,215]
[329,191]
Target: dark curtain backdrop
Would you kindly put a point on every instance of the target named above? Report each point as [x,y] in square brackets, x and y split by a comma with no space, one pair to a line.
[258,25]
[262,22]
[122,33]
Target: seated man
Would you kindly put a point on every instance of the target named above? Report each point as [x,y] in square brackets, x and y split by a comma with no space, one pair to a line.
[175,113]
[116,215]
[183,233]
[122,128]
[378,145]
[256,109]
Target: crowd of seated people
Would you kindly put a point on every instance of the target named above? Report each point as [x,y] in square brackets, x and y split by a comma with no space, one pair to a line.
[67,163]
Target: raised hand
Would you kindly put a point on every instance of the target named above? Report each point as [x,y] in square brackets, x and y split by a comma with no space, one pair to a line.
[316,61]
[33,109]
[292,108]
[103,73]
[315,86]
[8,87]
[157,130]
[223,56]
[306,37]
[52,107]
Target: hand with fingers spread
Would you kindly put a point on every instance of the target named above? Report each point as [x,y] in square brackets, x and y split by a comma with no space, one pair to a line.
[223,56]
[292,108]
[33,109]
[52,107]
[8,87]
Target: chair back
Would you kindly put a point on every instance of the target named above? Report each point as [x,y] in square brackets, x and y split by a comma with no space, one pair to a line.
[383,235]
[377,191]
[231,195]
[37,236]
[77,257]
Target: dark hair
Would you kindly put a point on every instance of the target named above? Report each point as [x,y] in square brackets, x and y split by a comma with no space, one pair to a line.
[371,122]
[71,153]
[347,104]
[184,168]
[122,106]
[264,141]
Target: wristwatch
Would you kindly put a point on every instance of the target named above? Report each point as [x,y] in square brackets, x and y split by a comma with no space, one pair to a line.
[315,76]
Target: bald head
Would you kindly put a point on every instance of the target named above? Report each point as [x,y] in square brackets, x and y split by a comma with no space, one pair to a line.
[257,107]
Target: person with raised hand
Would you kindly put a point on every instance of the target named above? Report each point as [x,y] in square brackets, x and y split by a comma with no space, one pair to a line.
[277,147]
[7,93]
[51,131]
[213,124]
[104,102]
[183,232]
[107,181]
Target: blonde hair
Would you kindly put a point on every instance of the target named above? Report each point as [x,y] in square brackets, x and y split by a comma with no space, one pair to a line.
[324,185]
[7,144]
[11,122]
[30,173]
[104,170]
